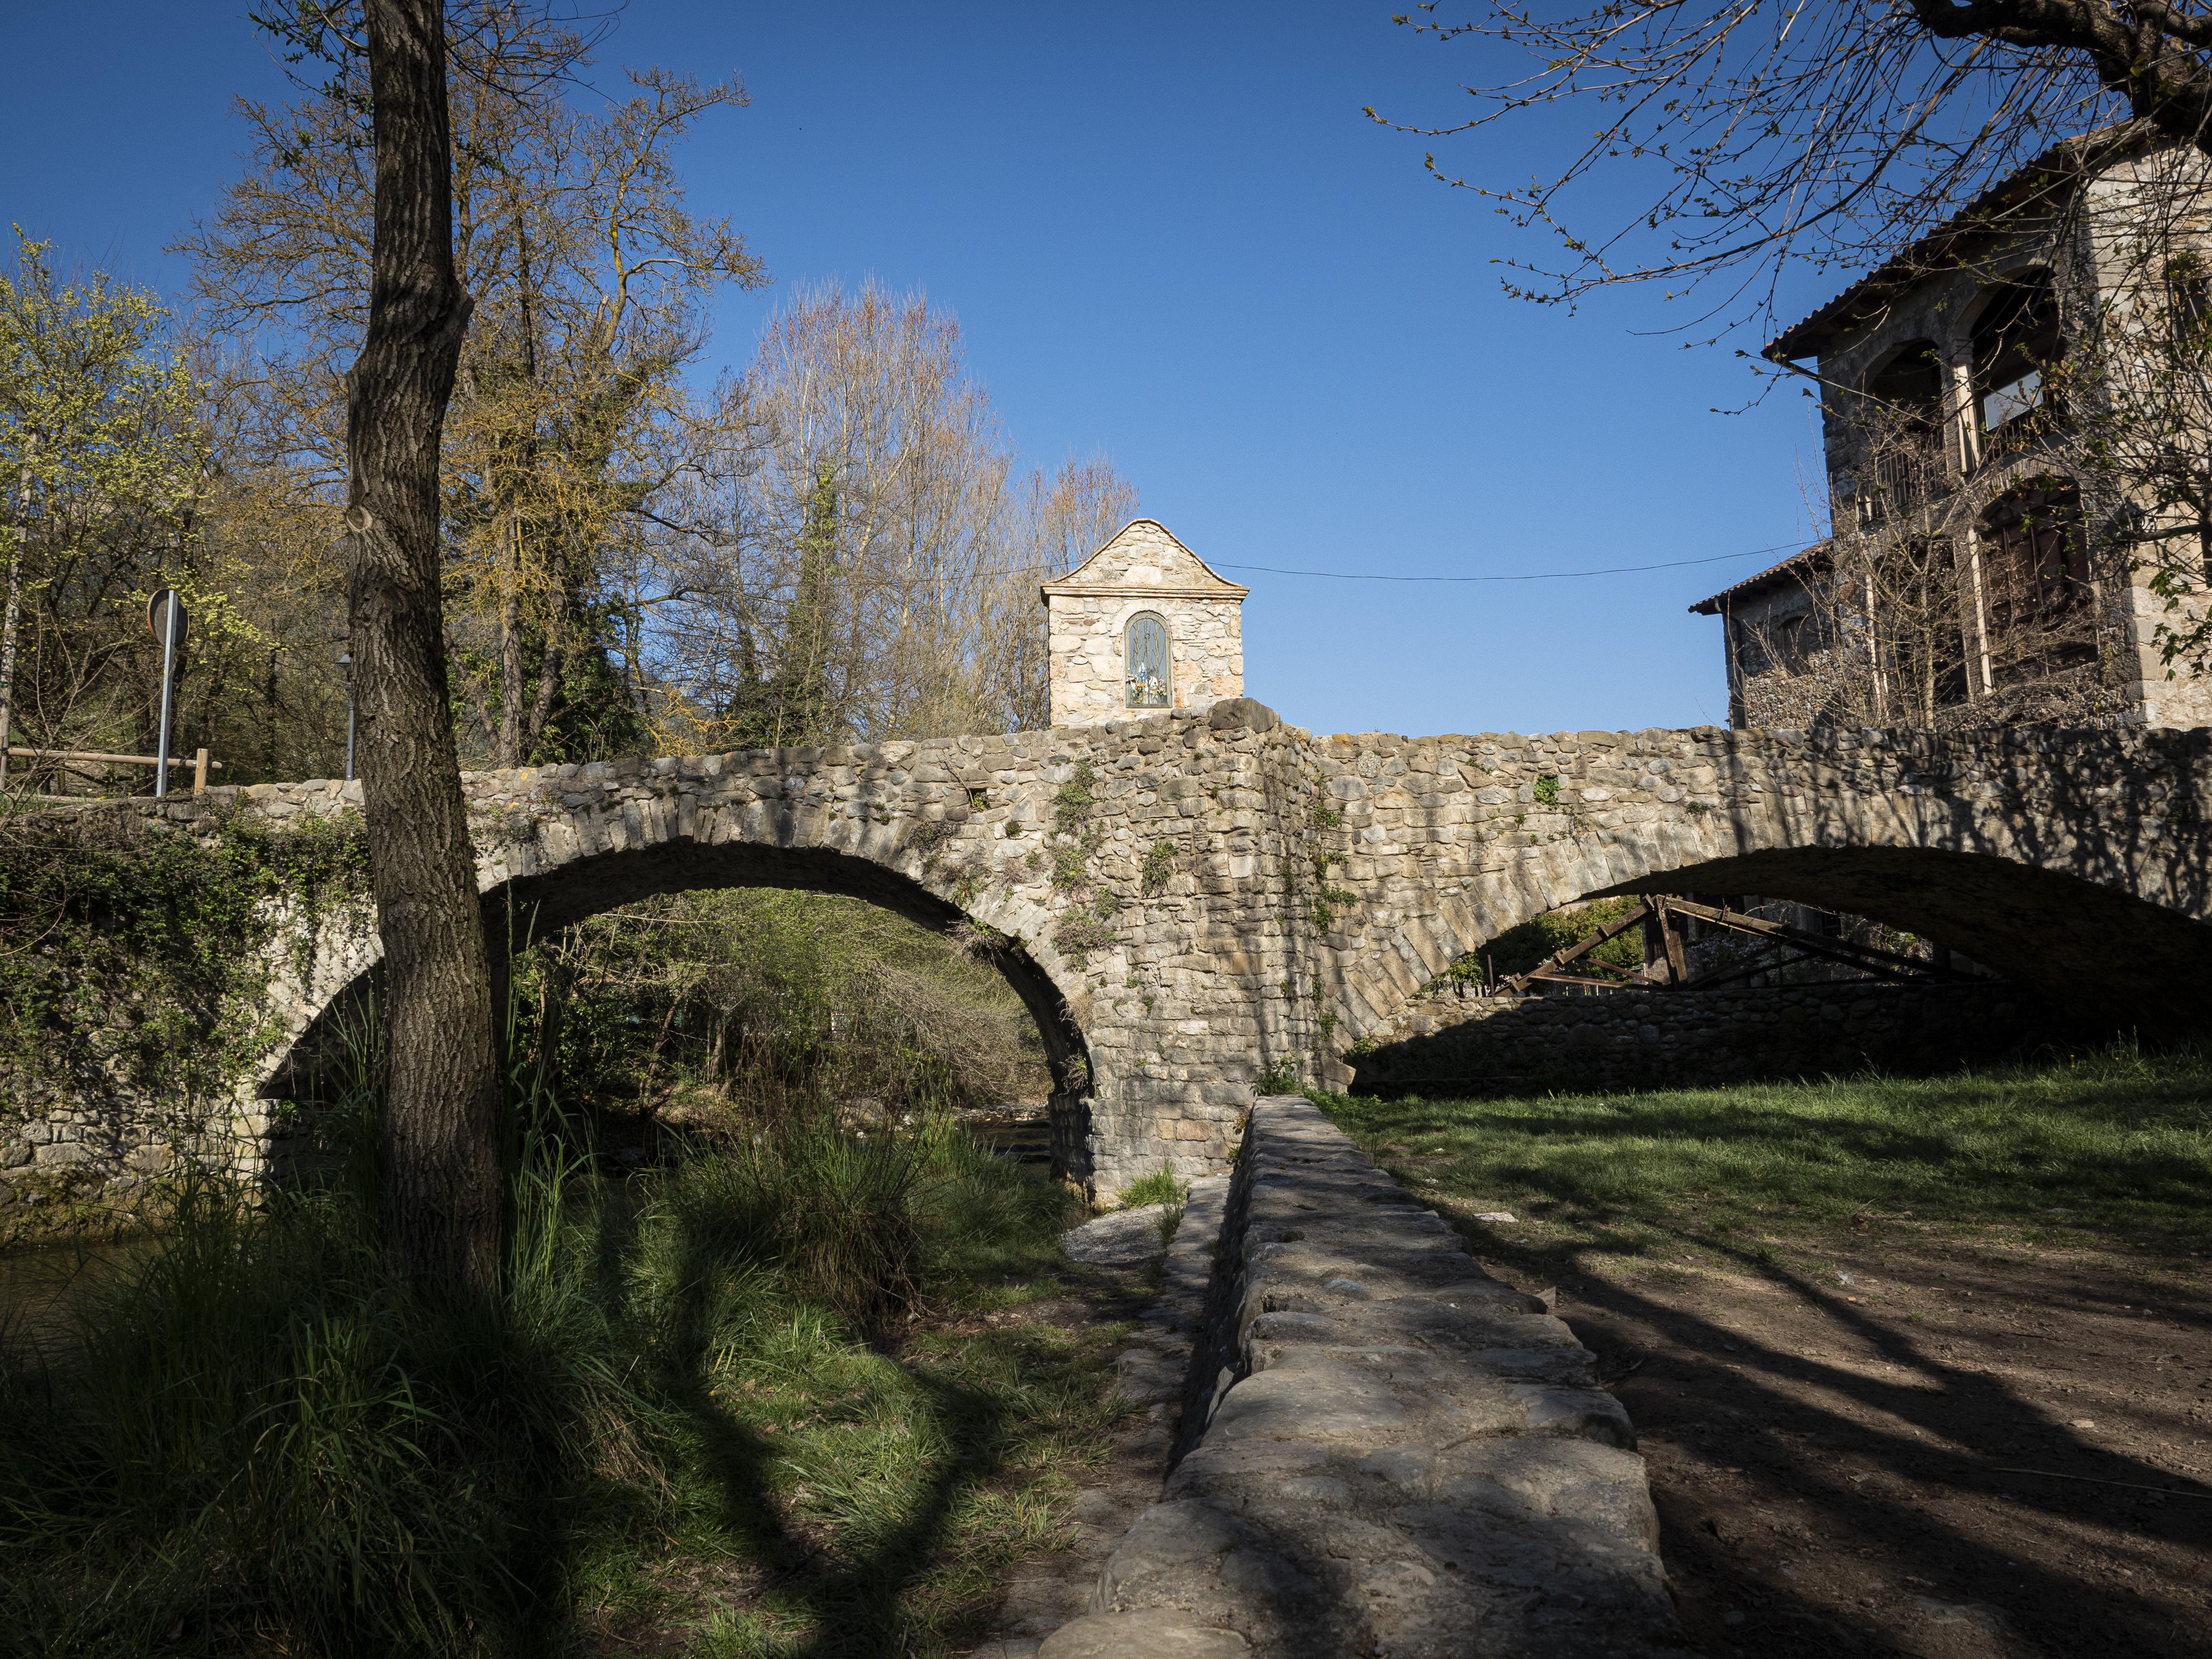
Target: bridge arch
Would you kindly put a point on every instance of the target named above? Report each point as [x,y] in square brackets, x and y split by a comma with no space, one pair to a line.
[2074,864]
[1192,904]
[522,910]
[558,845]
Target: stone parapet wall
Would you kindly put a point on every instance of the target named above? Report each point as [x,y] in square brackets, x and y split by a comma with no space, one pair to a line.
[1400,1456]
[1448,1045]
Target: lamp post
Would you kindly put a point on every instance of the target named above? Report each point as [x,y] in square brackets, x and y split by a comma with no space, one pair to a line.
[345,661]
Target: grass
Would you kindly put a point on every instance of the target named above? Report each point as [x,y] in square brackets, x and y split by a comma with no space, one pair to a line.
[753,1404]
[2115,1142]
[1161,1186]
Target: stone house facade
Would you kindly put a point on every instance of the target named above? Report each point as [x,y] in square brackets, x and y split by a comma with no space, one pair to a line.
[1979,570]
[1142,627]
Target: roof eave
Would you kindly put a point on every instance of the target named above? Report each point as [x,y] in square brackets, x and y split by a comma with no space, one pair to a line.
[2062,164]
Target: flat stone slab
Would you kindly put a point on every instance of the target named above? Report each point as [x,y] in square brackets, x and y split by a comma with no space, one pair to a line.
[1385,1449]
[1123,1239]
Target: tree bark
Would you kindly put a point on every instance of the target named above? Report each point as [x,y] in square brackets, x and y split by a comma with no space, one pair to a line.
[509,751]
[441,1177]
[20,541]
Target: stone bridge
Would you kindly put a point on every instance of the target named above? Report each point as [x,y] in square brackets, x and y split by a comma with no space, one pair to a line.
[1188,902]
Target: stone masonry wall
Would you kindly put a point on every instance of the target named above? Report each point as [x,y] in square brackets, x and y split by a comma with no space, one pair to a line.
[1401,1455]
[1143,922]
[2078,862]
[1477,1045]
[1191,904]
[79,1160]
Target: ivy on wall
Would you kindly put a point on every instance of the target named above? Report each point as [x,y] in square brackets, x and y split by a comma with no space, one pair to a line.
[135,957]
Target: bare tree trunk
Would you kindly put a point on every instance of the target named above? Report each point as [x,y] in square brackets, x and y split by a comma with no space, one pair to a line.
[15,605]
[509,751]
[441,1177]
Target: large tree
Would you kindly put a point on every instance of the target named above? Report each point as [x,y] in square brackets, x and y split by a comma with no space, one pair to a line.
[441,1170]
[572,411]
[1728,139]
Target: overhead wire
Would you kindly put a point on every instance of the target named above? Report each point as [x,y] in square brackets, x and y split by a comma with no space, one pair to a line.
[1526,576]
[1530,576]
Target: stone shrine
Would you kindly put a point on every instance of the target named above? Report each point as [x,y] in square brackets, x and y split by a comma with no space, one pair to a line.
[1142,627]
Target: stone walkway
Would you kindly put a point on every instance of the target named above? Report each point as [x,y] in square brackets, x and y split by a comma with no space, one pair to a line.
[1401,1455]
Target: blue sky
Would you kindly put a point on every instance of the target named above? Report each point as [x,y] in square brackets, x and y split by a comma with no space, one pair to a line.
[1171,236]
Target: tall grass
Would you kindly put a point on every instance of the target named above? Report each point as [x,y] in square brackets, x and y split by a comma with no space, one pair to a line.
[256,1443]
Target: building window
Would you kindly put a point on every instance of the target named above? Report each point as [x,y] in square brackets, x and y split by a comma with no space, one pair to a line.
[2015,342]
[1904,407]
[2035,553]
[1149,679]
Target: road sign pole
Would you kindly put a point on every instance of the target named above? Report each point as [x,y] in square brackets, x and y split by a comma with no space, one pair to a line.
[168,695]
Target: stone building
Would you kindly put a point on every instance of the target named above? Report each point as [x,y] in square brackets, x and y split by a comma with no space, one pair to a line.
[1142,626]
[1980,570]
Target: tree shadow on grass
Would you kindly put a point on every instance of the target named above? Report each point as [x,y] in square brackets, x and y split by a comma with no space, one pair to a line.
[853,1602]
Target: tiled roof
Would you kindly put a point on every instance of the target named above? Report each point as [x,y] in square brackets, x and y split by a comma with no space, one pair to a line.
[1804,558]
[1979,218]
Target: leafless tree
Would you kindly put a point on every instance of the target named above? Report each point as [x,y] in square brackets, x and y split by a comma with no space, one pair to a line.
[1937,606]
[1753,134]
[861,558]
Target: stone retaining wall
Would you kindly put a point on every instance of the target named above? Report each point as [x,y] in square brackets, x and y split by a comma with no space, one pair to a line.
[1401,1456]
[1448,1045]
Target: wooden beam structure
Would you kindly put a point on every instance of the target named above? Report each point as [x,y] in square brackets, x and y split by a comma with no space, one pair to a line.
[1869,958]
[1546,969]
[1665,912]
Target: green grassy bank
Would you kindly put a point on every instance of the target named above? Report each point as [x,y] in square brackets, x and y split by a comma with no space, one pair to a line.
[756,1402]
[2118,1142]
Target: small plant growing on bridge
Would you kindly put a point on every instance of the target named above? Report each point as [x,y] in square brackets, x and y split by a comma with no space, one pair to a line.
[1326,906]
[928,837]
[1547,789]
[1073,801]
[1279,1077]
[1080,932]
[1159,864]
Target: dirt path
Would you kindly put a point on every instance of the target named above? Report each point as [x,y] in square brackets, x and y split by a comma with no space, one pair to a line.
[1838,1466]
[1045,1592]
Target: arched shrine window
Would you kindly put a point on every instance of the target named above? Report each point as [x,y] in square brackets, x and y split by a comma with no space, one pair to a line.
[1146,674]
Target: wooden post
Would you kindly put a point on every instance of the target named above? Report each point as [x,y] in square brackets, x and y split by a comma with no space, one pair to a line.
[199,773]
[1678,970]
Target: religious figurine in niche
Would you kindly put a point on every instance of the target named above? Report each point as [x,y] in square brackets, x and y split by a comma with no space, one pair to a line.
[1148,676]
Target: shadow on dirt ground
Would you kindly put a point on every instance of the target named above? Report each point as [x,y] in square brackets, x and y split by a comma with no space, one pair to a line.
[1917,1447]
